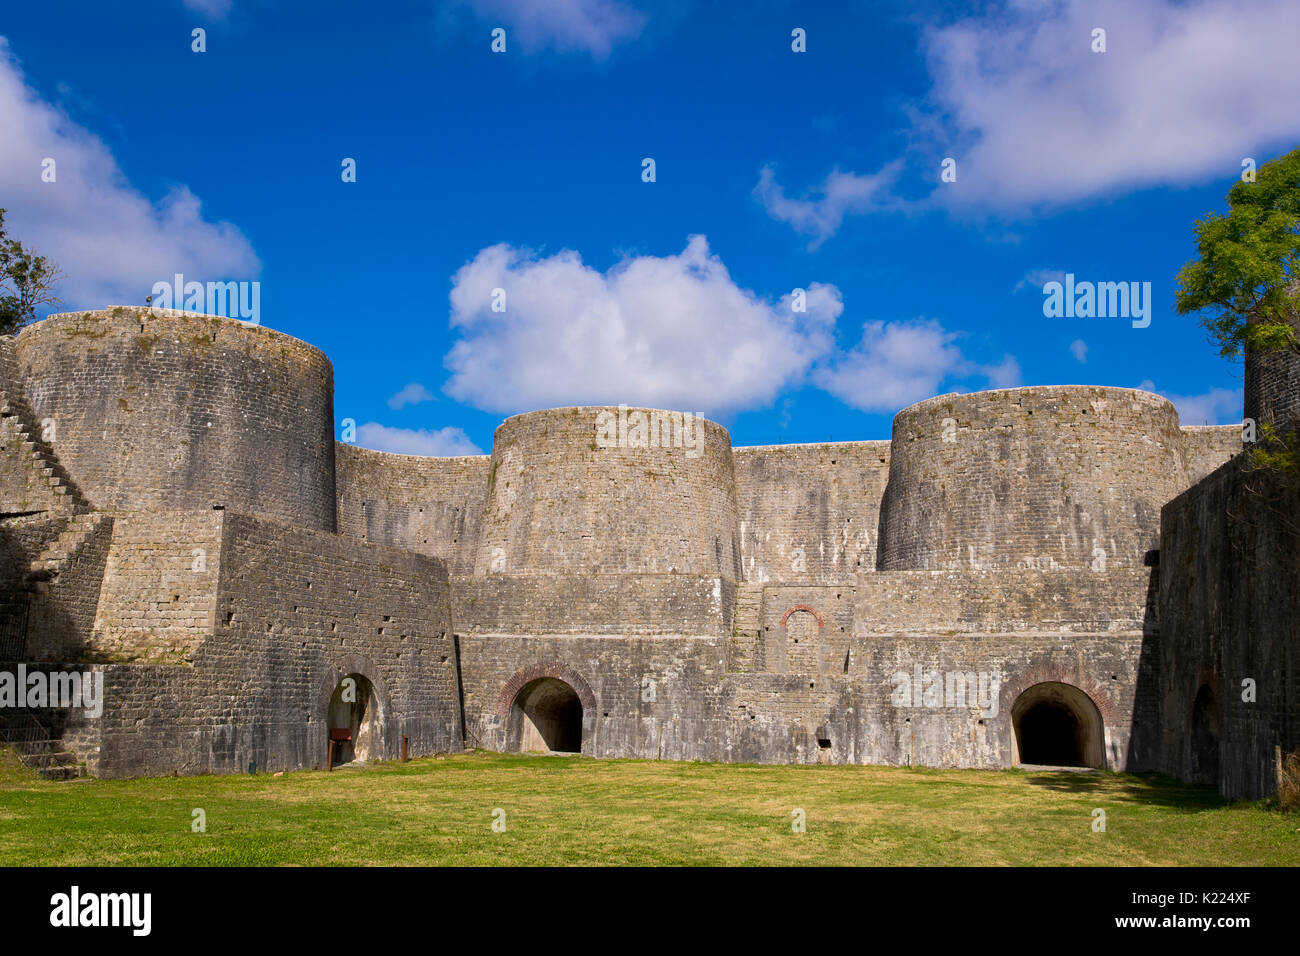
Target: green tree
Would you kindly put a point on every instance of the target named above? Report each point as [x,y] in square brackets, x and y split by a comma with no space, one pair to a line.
[1246,279]
[26,281]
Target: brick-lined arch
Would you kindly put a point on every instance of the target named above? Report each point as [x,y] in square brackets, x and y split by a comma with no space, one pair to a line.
[1055,674]
[558,671]
[554,669]
[803,607]
[1043,674]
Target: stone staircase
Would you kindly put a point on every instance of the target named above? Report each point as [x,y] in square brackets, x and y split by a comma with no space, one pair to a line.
[37,748]
[745,649]
[62,551]
[18,416]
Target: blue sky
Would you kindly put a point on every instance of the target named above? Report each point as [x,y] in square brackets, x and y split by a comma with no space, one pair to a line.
[774,170]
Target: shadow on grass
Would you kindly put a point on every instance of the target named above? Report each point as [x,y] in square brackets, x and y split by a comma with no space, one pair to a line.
[1149,789]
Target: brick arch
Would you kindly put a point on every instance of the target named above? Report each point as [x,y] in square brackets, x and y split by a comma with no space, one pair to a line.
[1012,689]
[803,607]
[556,669]
[1055,674]
[559,671]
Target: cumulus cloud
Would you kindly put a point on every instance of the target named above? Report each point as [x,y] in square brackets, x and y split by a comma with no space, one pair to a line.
[1079,349]
[896,364]
[672,331]
[435,443]
[111,241]
[1218,406]
[412,394]
[589,26]
[840,194]
[1183,92]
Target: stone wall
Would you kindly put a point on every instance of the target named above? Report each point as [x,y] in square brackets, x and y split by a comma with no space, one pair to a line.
[1050,477]
[297,611]
[159,599]
[1230,602]
[179,410]
[559,501]
[1205,448]
[594,604]
[810,513]
[431,506]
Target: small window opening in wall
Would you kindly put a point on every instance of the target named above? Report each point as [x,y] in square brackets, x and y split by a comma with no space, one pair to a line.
[230,617]
[381,630]
[334,627]
[824,743]
[269,625]
[308,585]
[218,507]
[444,659]
[810,685]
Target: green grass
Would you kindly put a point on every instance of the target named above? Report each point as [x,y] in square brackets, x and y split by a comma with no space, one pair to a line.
[568,810]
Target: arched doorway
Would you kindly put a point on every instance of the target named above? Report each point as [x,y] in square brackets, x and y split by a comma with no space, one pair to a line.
[1058,725]
[546,716]
[355,721]
[1206,722]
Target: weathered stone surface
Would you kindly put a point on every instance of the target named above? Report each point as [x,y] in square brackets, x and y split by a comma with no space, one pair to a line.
[1000,567]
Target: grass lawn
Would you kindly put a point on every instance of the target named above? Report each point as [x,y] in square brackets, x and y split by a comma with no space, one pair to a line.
[569,810]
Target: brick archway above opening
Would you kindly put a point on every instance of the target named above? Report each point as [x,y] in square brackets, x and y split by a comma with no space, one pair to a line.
[554,669]
[803,607]
[1047,674]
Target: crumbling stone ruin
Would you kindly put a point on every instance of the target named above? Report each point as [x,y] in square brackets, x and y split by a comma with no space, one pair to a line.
[1049,575]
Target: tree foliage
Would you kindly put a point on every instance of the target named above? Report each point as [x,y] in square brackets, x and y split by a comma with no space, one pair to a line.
[1246,281]
[26,281]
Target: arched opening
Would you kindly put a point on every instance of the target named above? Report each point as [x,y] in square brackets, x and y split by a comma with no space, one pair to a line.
[1206,721]
[547,716]
[355,721]
[1058,725]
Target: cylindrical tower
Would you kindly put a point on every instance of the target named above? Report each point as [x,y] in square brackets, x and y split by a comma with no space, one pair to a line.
[178,410]
[610,489]
[1272,387]
[1065,476]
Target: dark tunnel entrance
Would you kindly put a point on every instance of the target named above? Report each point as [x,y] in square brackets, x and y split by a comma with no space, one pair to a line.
[547,716]
[1058,725]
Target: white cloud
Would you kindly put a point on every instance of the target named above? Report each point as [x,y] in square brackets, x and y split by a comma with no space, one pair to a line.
[674,331]
[841,193]
[212,9]
[112,242]
[437,443]
[1037,278]
[898,363]
[1079,349]
[1218,406]
[1184,92]
[590,26]
[412,394]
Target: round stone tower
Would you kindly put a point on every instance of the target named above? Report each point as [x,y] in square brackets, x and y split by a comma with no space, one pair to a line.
[1065,476]
[1272,387]
[178,410]
[610,489]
